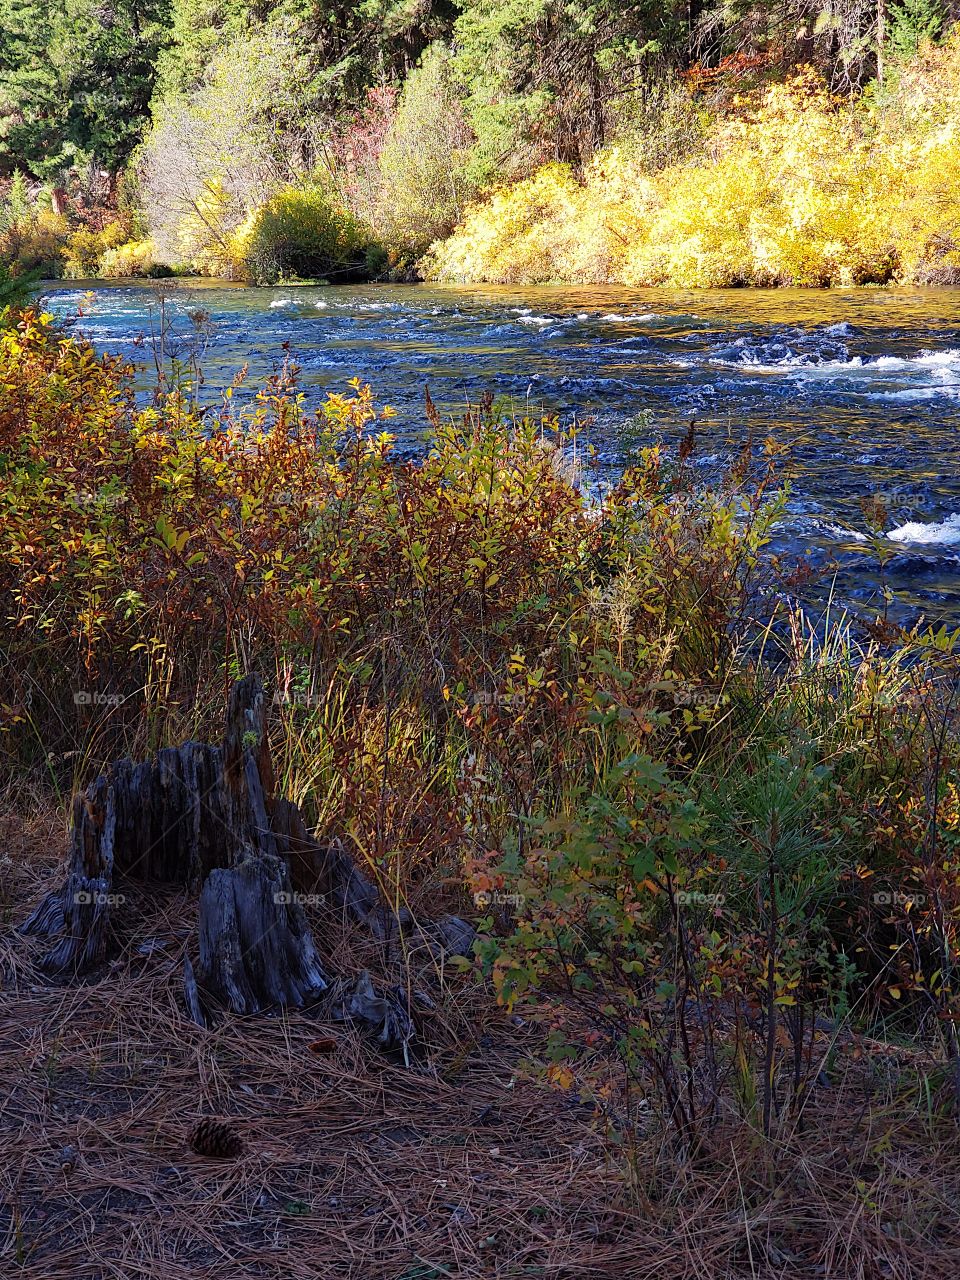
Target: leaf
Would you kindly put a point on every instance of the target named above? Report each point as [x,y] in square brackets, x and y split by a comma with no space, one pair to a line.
[167,532]
[560,1076]
[326,1044]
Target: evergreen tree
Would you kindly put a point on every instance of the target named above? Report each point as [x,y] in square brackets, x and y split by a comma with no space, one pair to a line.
[544,76]
[75,80]
[913,22]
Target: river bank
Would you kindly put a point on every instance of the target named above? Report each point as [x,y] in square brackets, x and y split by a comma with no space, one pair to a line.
[861,386]
[703,835]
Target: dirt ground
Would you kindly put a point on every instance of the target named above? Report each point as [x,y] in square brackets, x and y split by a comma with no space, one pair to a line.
[463,1164]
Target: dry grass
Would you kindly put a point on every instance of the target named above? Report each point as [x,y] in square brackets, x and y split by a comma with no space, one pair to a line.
[463,1165]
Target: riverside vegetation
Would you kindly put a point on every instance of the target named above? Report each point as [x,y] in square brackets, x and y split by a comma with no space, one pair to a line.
[709,836]
[710,843]
[778,142]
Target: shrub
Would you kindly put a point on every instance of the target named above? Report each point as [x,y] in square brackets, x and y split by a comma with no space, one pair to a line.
[403,163]
[424,159]
[35,243]
[794,187]
[134,258]
[484,538]
[496,672]
[15,291]
[528,233]
[85,248]
[214,157]
[301,233]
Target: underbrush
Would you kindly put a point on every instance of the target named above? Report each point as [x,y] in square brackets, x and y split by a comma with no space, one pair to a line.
[462,1161]
[704,848]
[34,240]
[788,185]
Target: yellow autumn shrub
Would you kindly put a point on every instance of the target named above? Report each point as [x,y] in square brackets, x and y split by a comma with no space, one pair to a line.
[85,247]
[135,258]
[35,243]
[797,187]
[521,234]
[299,233]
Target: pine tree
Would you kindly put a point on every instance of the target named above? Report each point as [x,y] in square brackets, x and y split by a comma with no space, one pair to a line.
[75,80]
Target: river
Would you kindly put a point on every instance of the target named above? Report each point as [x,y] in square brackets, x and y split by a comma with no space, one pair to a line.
[863,386]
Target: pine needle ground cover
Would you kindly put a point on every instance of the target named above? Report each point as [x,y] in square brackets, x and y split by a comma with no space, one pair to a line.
[468,1165]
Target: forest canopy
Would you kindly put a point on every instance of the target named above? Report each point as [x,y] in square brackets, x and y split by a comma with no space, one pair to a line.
[139,138]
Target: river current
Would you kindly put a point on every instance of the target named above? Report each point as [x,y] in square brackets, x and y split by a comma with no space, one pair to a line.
[862,385]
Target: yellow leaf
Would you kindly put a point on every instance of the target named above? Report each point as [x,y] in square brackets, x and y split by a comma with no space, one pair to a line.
[560,1076]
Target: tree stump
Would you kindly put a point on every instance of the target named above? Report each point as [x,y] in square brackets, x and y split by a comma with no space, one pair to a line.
[207,818]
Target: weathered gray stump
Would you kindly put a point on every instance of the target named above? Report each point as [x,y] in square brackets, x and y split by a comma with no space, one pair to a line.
[207,818]
[159,820]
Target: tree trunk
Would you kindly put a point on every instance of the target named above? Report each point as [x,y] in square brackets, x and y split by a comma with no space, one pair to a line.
[207,818]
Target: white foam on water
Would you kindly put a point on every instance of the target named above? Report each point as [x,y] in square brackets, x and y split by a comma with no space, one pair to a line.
[283,302]
[917,393]
[937,363]
[644,317]
[783,354]
[838,531]
[65,295]
[943,533]
[927,376]
[940,371]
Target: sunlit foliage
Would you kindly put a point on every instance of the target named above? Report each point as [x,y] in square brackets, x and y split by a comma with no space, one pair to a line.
[797,187]
[678,824]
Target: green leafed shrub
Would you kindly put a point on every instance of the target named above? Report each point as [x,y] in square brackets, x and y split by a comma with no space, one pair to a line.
[425,175]
[300,233]
[15,290]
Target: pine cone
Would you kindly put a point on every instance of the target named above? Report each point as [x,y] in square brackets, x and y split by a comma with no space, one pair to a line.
[216,1139]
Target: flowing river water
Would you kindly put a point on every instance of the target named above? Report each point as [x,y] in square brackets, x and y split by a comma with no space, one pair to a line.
[862,385]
